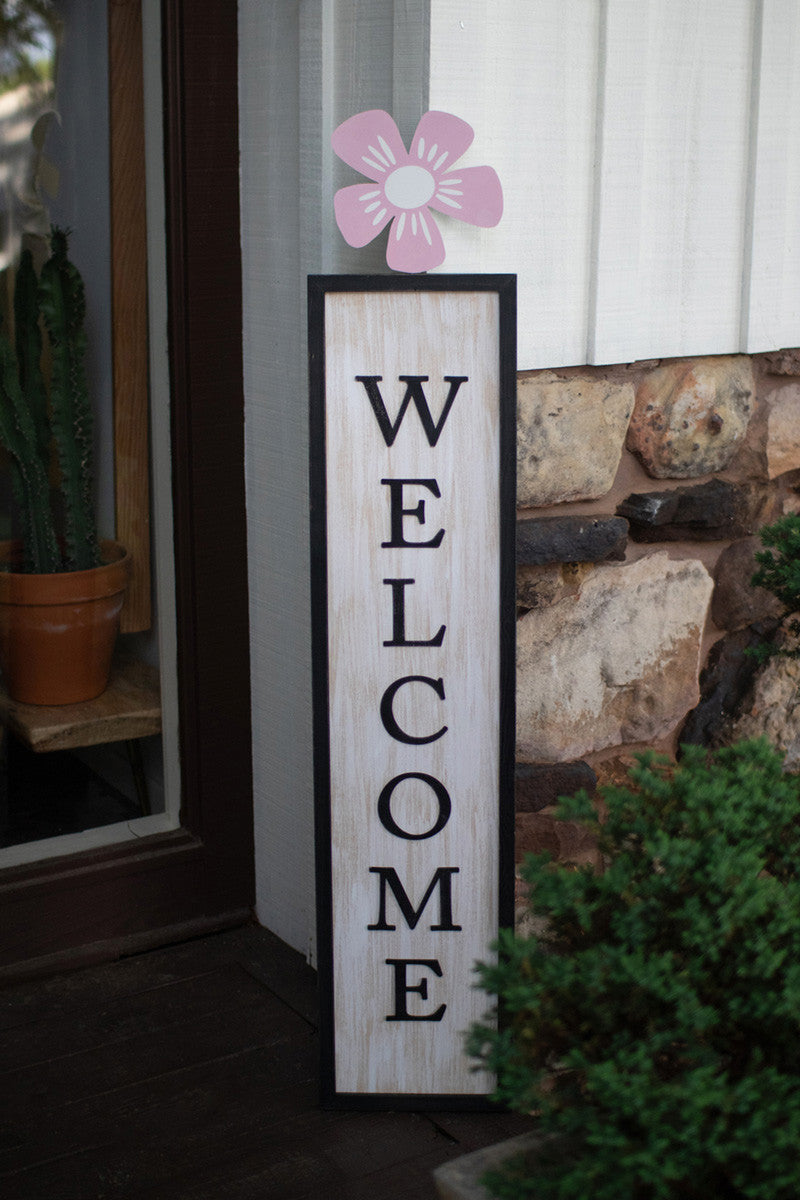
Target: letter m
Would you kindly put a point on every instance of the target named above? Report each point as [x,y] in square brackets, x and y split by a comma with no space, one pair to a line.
[442,880]
[414,391]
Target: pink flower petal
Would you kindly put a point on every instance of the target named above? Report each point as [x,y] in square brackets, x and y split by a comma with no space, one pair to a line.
[471,194]
[370,142]
[415,243]
[361,212]
[440,140]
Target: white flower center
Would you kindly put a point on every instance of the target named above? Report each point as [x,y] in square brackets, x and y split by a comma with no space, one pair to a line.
[409,187]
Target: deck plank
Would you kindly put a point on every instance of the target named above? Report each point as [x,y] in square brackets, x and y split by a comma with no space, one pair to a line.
[261,953]
[123,1062]
[190,1073]
[180,1003]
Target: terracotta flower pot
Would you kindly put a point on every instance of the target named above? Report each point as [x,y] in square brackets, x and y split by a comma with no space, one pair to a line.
[57,632]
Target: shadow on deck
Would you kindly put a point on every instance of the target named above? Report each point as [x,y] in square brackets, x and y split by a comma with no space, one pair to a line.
[190,1073]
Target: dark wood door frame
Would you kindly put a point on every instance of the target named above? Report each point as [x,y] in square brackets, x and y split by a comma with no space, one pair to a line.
[101,903]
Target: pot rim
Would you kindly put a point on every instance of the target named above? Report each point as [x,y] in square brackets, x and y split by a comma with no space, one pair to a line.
[65,587]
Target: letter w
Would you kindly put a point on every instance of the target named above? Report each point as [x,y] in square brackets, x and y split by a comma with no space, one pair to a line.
[413,392]
[442,879]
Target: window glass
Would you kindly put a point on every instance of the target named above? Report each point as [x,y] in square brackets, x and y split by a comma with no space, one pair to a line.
[54,171]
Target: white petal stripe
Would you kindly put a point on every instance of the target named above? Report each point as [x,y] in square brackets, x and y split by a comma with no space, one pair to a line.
[371,207]
[449,182]
[440,160]
[401,224]
[421,148]
[370,195]
[446,200]
[380,215]
[425,229]
[378,155]
[414,223]
[432,152]
[387,150]
[448,191]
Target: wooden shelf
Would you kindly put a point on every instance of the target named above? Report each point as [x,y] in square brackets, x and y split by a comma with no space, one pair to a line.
[129,708]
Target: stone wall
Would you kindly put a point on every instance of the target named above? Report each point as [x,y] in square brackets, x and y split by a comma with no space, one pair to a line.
[641,489]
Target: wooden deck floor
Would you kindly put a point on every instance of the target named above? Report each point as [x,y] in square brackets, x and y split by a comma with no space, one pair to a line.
[189,1073]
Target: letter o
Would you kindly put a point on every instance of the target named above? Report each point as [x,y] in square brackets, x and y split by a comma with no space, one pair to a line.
[385,810]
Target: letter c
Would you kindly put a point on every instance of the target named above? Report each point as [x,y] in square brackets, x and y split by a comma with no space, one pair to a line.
[388,717]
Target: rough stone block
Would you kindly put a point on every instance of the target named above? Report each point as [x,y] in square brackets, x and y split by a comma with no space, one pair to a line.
[614,772]
[460,1178]
[691,415]
[542,540]
[773,710]
[540,785]
[567,841]
[750,459]
[735,602]
[707,512]
[724,682]
[545,585]
[570,436]
[783,431]
[783,362]
[616,664]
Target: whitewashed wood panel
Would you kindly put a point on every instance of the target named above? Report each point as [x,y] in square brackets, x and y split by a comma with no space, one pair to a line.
[525,75]
[771,316]
[456,583]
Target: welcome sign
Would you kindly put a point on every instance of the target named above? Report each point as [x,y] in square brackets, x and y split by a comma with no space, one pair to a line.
[413,420]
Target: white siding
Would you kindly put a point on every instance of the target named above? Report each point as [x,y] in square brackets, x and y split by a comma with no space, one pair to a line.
[649,152]
[772,314]
[525,77]
[672,178]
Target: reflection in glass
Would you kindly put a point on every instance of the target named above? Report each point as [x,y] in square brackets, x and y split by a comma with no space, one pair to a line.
[54,167]
[29,38]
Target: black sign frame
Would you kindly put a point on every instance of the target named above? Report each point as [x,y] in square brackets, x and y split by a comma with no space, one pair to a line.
[319,287]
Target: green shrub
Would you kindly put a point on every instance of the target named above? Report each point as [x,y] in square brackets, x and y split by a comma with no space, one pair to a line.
[779,573]
[655,1025]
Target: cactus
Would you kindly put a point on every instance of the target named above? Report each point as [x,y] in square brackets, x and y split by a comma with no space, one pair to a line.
[30,421]
[29,349]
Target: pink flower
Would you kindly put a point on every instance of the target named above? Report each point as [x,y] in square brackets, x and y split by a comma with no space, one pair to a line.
[406,185]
